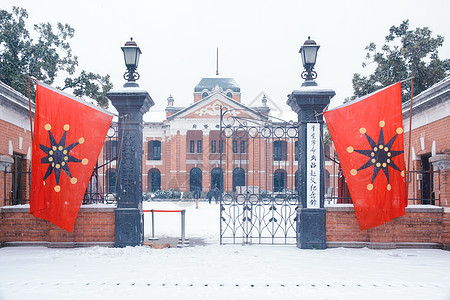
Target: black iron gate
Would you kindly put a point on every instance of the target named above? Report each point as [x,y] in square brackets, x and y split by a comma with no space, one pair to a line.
[258,159]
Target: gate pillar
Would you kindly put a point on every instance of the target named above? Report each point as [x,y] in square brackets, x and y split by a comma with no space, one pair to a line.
[131,103]
[309,102]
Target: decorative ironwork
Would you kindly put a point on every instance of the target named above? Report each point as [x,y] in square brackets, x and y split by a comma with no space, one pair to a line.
[260,200]
[103,184]
[131,75]
[309,74]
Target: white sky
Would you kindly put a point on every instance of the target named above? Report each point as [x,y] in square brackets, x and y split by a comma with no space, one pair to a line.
[258,40]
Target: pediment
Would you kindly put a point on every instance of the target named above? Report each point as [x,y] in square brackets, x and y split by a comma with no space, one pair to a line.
[209,108]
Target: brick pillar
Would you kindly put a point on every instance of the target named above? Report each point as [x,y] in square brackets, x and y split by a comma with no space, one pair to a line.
[441,163]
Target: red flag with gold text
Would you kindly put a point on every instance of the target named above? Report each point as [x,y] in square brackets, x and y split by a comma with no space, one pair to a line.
[368,137]
[67,140]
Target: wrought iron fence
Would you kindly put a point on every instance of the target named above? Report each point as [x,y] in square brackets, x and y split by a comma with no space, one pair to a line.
[103,184]
[423,186]
[258,161]
[251,218]
[16,187]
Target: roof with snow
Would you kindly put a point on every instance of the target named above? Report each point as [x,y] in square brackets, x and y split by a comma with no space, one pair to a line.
[211,83]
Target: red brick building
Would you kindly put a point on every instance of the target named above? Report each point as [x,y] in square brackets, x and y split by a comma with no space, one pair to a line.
[430,145]
[15,146]
[183,151]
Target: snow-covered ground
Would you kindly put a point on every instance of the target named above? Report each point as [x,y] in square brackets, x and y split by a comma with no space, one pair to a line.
[220,272]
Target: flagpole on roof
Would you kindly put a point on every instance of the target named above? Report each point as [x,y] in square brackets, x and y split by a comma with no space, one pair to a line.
[217,62]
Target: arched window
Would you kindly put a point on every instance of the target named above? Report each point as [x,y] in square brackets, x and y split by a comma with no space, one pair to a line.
[154,180]
[217,178]
[230,95]
[238,178]
[279,180]
[279,150]
[195,179]
[204,95]
[111,178]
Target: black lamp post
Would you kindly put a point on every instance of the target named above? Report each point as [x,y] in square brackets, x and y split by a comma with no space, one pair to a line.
[309,55]
[308,102]
[131,103]
[131,53]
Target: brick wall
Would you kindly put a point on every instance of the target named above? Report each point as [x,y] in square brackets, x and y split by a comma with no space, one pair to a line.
[11,132]
[446,229]
[94,226]
[434,131]
[421,226]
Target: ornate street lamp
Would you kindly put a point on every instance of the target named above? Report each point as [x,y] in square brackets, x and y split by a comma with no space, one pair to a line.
[309,103]
[131,53]
[131,104]
[309,55]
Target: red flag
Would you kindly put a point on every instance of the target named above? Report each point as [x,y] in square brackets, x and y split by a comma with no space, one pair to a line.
[368,136]
[67,140]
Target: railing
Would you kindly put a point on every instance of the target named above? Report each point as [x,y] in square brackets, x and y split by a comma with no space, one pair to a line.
[182,241]
[419,191]
[422,189]
[16,187]
[18,195]
[98,187]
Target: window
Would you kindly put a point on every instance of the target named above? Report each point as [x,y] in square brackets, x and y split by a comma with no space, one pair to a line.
[195,179]
[296,150]
[199,146]
[242,146]
[238,178]
[154,180]
[213,146]
[154,150]
[235,146]
[279,150]
[18,177]
[204,95]
[230,95]
[326,150]
[217,178]
[110,150]
[111,177]
[220,146]
[279,180]
[191,146]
